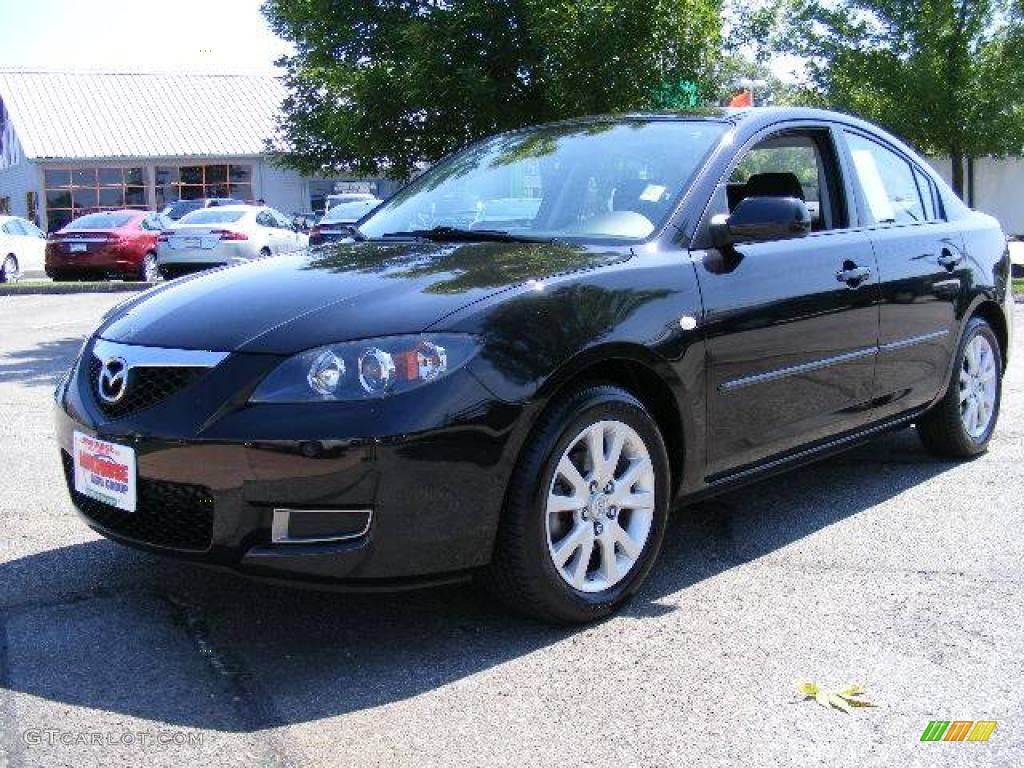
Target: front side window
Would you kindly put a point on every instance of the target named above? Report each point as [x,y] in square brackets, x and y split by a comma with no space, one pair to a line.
[887,182]
[788,165]
[585,181]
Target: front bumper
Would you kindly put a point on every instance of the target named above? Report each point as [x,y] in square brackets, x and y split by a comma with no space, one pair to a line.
[431,468]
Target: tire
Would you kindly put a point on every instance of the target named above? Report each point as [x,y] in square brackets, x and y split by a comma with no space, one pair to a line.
[977,379]
[148,272]
[264,252]
[9,269]
[523,574]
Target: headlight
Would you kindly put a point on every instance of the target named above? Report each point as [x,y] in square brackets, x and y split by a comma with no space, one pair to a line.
[360,370]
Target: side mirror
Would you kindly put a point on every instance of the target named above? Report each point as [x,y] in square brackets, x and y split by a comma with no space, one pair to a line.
[761,219]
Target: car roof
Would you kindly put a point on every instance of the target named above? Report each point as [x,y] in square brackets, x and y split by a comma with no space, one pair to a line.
[751,118]
[236,207]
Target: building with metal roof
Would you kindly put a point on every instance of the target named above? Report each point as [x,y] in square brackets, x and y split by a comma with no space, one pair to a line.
[74,142]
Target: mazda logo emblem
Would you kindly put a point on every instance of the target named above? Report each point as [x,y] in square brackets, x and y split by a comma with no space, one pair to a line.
[113,380]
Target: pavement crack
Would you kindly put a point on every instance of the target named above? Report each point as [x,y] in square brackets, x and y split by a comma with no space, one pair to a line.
[252,705]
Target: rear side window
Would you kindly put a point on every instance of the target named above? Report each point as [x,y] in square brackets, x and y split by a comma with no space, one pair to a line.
[887,182]
[212,216]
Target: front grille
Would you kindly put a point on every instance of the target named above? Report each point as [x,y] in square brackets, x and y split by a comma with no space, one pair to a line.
[144,387]
[173,515]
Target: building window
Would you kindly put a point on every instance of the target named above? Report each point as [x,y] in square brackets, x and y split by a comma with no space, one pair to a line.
[73,192]
[32,204]
[5,206]
[190,182]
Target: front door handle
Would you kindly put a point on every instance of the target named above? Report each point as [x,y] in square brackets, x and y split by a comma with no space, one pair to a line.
[853,275]
[949,260]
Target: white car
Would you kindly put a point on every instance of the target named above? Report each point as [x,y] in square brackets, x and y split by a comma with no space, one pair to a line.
[22,248]
[341,198]
[227,234]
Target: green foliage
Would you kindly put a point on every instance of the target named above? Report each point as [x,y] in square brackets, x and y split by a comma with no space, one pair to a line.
[382,85]
[946,74]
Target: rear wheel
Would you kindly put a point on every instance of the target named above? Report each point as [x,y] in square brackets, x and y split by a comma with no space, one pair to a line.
[585,510]
[264,252]
[148,272]
[9,269]
[961,424]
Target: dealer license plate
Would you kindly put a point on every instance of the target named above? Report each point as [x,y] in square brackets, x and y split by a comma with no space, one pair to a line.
[105,471]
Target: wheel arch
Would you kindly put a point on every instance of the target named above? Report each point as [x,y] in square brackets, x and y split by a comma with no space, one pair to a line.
[992,313]
[639,372]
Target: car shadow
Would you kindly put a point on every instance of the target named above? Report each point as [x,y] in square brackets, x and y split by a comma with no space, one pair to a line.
[278,656]
[39,365]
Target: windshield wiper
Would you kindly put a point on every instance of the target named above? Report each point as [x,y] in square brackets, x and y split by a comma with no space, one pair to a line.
[458,235]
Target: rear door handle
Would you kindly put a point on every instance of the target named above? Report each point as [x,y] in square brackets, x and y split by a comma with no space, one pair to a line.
[948,259]
[853,275]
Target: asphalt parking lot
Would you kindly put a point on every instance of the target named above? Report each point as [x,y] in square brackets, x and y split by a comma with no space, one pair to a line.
[882,566]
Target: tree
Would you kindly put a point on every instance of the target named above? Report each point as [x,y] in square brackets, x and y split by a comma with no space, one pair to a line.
[383,85]
[945,74]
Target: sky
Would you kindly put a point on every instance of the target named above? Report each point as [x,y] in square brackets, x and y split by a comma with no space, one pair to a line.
[138,35]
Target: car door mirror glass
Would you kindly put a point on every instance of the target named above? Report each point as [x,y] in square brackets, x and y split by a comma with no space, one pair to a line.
[762,219]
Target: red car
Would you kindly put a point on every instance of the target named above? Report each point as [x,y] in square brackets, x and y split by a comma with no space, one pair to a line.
[106,244]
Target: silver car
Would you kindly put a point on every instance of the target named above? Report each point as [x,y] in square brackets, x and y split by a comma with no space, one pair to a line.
[227,234]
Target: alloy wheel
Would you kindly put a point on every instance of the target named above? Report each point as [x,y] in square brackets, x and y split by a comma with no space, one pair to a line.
[600,506]
[978,386]
[150,271]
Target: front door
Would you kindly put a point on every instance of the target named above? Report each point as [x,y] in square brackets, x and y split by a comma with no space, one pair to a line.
[792,325]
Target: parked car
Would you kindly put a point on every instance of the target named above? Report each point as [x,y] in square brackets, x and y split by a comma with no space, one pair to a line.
[346,197]
[106,244]
[22,248]
[176,210]
[431,403]
[303,221]
[337,222]
[226,234]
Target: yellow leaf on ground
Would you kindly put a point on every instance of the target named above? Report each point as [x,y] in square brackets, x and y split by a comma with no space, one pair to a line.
[807,688]
[839,703]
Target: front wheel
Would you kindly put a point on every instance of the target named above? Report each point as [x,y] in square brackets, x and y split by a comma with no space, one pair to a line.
[962,422]
[585,510]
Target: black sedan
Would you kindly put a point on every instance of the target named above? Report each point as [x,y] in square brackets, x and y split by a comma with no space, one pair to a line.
[680,305]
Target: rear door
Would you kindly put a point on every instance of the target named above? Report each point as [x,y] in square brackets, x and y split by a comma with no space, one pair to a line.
[791,341]
[923,273]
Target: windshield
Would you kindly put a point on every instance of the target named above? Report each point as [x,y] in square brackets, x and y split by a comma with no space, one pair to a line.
[100,221]
[596,181]
[347,213]
[212,216]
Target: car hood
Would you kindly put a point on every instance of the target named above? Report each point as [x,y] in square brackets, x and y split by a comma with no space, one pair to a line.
[336,293]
